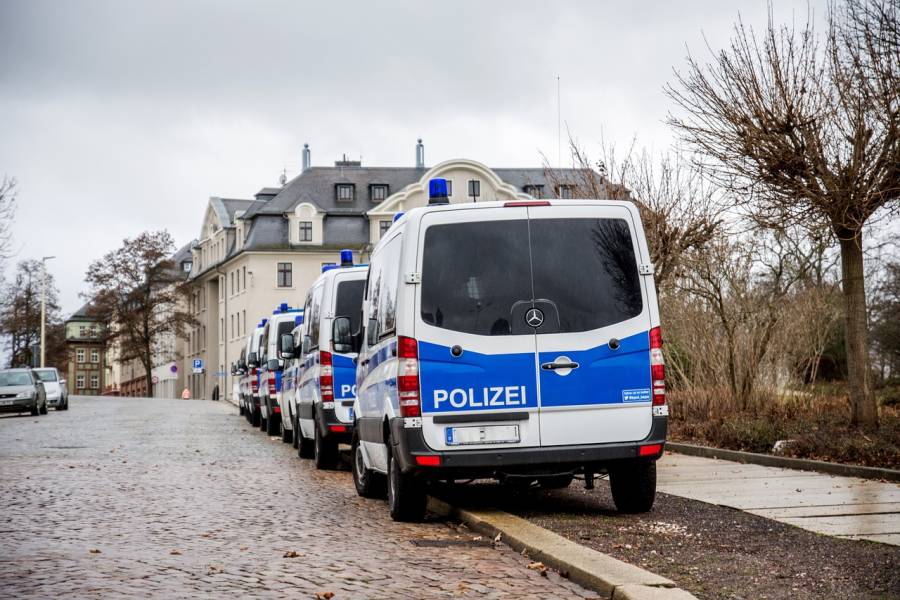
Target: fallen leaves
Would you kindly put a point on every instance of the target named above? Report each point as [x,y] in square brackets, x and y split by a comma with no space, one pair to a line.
[94,550]
[539,567]
[291,554]
[175,552]
[324,595]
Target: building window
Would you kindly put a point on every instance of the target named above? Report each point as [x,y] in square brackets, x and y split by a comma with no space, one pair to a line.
[305,231]
[79,355]
[79,382]
[231,283]
[379,193]
[244,312]
[565,192]
[95,382]
[474,189]
[449,187]
[186,266]
[95,356]
[232,325]
[285,275]
[535,191]
[245,278]
[345,192]
[383,227]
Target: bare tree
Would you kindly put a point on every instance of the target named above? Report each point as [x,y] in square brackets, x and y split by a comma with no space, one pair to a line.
[139,289]
[20,313]
[802,131]
[7,214]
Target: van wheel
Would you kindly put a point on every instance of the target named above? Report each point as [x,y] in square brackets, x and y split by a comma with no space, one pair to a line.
[555,482]
[241,408]
[633,486]
[286,434]
[369,484]
[296,437]
[273,424]
[263,425]
[254,418]
[406,495]
[35,411]
[326,451]
[44,408]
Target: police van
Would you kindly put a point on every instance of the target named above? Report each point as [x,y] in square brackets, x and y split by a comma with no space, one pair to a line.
[249,383]
[514,340]
[283,320]
[326,385]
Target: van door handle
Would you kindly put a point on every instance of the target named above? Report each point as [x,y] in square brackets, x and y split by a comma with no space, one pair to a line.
[552,366]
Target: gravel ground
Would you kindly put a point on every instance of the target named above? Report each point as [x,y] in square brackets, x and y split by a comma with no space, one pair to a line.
[712,551]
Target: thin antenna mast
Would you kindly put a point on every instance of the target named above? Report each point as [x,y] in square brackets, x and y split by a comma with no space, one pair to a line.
[558,127]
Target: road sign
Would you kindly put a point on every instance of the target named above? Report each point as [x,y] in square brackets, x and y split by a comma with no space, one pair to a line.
[155,380]
[174,368]
[198,365]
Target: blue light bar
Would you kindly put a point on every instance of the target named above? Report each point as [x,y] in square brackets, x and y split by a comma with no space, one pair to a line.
[284,307]
[397,216]
[346,258]
[437,191]
[298,320]
[326,268]
[263,323]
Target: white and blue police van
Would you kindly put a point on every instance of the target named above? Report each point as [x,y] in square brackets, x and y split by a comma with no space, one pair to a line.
[283,320]
[326,379]
[511,340]
[249,383]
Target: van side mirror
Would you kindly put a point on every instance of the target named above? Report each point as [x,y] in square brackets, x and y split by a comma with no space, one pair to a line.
[272,364]
[305,345]
[372,332]
[287,346]
[253,360]
[341,338]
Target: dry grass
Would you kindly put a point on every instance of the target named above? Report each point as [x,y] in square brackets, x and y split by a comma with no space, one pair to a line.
[816,422]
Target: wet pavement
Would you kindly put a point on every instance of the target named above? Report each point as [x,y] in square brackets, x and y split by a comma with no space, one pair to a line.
[840,506]
[122,497]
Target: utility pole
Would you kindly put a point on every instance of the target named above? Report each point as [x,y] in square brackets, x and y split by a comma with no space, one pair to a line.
[44,308]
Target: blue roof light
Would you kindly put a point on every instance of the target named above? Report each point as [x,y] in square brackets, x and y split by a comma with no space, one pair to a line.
[326,268]
[283,307]
[298,320]
[397,216]
[437,191]
[346,258]
[263,323]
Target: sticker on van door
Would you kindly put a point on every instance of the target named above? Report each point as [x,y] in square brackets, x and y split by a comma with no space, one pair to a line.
[642,395]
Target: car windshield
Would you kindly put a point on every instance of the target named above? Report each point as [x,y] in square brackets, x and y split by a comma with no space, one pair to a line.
[46,374]
[15,378]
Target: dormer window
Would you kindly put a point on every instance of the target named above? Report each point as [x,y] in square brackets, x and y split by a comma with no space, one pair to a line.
[535,191]
[345,192]
[186,266]
[379,192]
[565,192]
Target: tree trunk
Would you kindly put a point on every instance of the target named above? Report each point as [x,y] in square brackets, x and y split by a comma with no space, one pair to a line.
[148,368]
[864,411]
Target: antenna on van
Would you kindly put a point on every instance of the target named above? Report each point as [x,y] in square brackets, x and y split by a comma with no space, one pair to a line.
[558,127]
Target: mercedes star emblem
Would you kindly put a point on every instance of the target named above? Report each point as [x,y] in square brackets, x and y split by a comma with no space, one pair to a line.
[534,317]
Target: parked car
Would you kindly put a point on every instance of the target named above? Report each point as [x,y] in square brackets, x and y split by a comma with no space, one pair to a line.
[55,387]
[518,341]
[322,379]
[250,376]
[21,390]
[271,365]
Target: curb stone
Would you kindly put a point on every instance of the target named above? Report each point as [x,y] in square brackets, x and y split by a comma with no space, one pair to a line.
[597,571]
[785,462]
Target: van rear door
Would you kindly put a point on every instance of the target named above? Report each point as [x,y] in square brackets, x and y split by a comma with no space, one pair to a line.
[477,356]
[592,325]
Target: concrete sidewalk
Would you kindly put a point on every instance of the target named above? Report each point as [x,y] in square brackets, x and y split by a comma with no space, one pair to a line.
[845,507]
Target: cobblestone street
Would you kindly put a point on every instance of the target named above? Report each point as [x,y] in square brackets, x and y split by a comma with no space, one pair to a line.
[172,498]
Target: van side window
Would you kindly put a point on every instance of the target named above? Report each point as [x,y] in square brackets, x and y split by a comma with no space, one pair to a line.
[315,312]
[389,278]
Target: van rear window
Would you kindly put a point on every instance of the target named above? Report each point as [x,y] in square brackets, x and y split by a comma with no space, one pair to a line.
[586,269]
[349,301]
[480,277]
[473,274]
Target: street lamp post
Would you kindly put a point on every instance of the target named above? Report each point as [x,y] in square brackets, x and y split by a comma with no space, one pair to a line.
[44,307]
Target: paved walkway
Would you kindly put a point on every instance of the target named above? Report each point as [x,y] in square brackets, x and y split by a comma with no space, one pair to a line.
[846,507]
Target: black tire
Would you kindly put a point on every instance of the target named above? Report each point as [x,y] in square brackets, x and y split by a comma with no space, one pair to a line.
[406,495]
[325,451]
[241,407]
[633,486]
[273,424]
[555,482]
[44,408]
[287,435]
[35,411]
[369,484]
[66,405]
[255,417]
[296,437]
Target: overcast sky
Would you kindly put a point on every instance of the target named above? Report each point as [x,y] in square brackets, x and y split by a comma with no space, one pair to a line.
[123,116]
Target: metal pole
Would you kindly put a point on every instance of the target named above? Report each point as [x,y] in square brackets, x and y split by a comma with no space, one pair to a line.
[44,308]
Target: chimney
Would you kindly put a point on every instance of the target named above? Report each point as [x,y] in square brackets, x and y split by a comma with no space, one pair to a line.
[420,155]
[306,157]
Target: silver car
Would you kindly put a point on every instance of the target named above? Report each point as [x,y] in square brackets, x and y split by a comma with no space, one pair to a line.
[54,387]
[21,390]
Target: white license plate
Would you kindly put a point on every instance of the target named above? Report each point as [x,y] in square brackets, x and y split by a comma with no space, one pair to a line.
[482,434]
[6,402]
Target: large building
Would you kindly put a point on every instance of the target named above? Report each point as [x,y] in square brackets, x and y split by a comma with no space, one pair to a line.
[252,255]
[86,372]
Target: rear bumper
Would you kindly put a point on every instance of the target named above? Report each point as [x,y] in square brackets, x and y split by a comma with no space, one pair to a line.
[330,427]
[410,443]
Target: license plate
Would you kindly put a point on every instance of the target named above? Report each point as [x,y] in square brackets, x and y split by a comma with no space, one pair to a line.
[482,434]
[6,402]
[352,414]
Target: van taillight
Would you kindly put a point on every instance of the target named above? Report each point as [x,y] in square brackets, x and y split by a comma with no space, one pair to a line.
[326,377]
[272,389]
[657,367]
[408,377]
[254,380]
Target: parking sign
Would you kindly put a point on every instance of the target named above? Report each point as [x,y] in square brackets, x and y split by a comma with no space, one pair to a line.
[198,365]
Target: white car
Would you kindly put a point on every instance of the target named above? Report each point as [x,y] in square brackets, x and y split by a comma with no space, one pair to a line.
[512,340]
[322,379]
[55,386]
